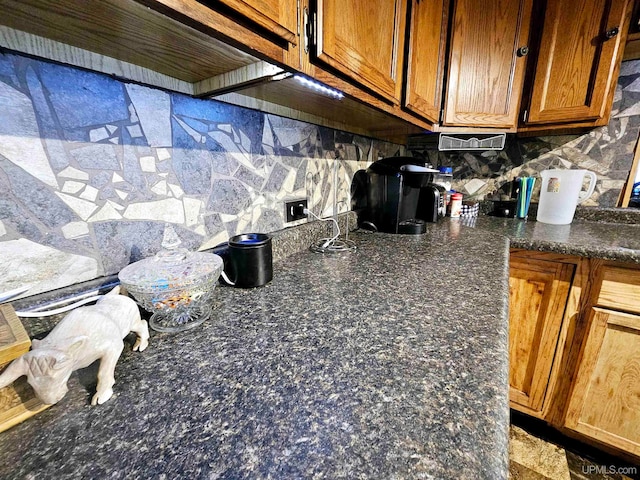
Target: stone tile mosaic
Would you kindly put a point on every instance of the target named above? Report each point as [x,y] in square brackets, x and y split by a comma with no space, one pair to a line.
[607,150]
[92,168]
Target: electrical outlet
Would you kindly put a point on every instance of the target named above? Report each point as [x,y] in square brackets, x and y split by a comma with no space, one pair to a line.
[294,210]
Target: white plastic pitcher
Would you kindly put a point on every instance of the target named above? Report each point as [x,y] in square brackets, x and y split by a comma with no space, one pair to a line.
[560,193]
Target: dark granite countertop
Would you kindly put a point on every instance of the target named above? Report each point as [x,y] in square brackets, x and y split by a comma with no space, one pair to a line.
[609,241]
[390,362]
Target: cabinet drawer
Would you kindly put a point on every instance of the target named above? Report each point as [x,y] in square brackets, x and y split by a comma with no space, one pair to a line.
[620,289]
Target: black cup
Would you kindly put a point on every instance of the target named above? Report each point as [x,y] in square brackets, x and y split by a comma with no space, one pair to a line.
[250,260]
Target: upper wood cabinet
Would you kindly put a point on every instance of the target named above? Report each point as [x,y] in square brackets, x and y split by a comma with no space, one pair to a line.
[364,40]
[425,57]
[280,17]
[538,293]
[486,62]
[580,49]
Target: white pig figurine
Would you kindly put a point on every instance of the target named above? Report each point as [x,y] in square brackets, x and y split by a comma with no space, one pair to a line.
[82,337]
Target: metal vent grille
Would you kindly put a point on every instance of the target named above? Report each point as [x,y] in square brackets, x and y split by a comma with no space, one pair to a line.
[471,142]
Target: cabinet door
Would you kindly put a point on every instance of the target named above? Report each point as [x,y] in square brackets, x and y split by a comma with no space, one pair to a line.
[538,293]
[277,16]
[364,39]
[605,402]
[486,72]
[425,59]
[577,67]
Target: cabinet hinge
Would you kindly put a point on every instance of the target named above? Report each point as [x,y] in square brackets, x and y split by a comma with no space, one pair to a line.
[309,21]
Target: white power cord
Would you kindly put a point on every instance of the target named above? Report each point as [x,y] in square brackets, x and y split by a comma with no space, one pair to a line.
[328,241]
[330,244]
[48,313]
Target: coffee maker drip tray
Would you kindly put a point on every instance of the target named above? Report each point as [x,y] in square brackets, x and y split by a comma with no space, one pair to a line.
[412,226]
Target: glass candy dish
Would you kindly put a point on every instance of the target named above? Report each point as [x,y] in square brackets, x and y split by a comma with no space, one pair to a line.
[176,285]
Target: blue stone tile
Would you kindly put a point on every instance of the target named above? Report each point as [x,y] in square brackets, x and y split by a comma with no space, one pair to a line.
[191,164]
[124,242]
[131,170]
[249,121]
[100,156]
[7,70]
[81,98]
[47,124]
[276,179]
[214,224]
[228,196]
[38,199]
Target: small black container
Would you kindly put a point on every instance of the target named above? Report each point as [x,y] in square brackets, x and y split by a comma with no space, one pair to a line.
[250,260]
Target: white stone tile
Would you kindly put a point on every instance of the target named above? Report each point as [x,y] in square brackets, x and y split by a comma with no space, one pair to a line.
[245,141]
[71,186]
[192,208]
[225,127]
[90,193]
[98,134]
[163,154]
[20,139]
[474,185]
[44,268]
[228,218]
[200,230]
[75,230]
[163,174]
[217,239]
[267,134]
[135,131]
[107,212]
[148,164]
[114,140]
[153,108]
[167,210]
[225,141]
[3,230]
[631,111]
[111,128]
[176,190]
[115,205]
[133,117]
[121,194]
[160,188]
[83,208]
[116,178]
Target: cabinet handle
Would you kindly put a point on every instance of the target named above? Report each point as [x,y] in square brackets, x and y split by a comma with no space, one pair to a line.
[523,51]
[612,32]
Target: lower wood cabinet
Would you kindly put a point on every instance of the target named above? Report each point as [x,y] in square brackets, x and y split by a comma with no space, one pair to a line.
[574,346]
[605,401]
[538,291]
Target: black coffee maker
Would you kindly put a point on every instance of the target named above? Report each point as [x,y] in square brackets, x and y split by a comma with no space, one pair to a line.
[395,195]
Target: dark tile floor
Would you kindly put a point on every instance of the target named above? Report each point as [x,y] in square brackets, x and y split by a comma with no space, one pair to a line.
[537,452]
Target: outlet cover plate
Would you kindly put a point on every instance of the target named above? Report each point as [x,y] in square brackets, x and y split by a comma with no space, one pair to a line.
[289,207]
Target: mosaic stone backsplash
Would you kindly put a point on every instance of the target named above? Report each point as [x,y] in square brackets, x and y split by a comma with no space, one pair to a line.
[91,170]
[607,151]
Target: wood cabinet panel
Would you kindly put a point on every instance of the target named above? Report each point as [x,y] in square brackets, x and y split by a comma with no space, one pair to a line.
[364,39]
[425,59]
[277,16]
[485,73]
[538,293]
[620,289]
[605,402]
[577,64]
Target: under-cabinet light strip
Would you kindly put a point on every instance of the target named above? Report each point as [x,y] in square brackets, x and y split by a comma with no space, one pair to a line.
[319,87]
